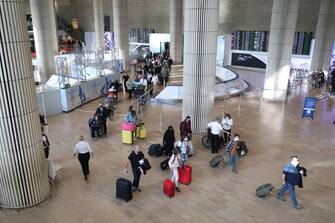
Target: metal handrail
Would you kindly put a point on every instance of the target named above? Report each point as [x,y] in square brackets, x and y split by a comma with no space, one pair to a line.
[137,103]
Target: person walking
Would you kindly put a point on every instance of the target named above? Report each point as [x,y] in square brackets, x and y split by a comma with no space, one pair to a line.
[136,159]
[125,78]
[169,140]
[227,124]
[291,177]
[182,147]
[233,152]
[185,128]
[165,73]
[216,130]
[174,164]
[84,152]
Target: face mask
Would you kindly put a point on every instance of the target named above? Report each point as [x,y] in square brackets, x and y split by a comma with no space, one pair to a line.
[295,162]
[185,139]
[236,139]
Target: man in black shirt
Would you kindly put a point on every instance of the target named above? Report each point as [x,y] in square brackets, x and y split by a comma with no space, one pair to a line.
[136,159]
[125,78]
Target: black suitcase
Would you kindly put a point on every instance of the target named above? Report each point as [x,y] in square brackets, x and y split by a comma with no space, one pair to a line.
[216,161]
[153,149]
[264,190]
[159,151]
[243,148]
[123,189]
[164,164]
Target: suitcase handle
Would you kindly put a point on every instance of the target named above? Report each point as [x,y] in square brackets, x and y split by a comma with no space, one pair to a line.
[124,175]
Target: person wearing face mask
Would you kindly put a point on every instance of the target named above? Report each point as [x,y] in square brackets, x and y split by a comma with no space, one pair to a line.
[185,127]
[174,164]
[227,124]
[233,151]
[182,145]
[136,159]
[291,178]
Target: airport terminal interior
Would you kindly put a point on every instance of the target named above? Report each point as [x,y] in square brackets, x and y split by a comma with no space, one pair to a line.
[87,85]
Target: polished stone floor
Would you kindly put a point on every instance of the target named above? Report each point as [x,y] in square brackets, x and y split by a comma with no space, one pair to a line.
[272,131]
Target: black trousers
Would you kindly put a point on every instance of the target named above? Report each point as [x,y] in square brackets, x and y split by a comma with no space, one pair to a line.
[83,159]
[215,143]
[168,149]
[46,152]
[104,125]
[226,136]
[166,80]
[137,176]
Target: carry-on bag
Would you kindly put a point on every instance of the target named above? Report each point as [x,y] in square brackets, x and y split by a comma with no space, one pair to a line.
[216,161]
[185,174]
[129,126]
[154,149]
[169,188]
[164,164]
[127,137]
[264,190]
[243,148]
[123,189]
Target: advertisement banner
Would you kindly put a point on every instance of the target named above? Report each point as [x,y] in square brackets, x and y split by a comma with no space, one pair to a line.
[247,60]
[84,92]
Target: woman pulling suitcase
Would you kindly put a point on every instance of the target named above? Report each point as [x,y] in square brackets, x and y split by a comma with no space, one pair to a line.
[174,164]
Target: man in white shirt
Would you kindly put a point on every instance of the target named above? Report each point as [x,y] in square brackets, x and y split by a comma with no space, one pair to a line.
[84,152]
[227,124]
[216,130]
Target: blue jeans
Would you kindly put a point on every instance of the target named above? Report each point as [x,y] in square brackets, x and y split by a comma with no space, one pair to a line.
[233,160]
[184,157]
[291,189]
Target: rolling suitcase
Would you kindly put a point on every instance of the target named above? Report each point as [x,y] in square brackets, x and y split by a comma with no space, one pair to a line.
[153,149]
[169,188]
[164,164]
[185,174]
[216,161]
[244,148]
[127,137]
[142,133]
[123,189]
[264,190]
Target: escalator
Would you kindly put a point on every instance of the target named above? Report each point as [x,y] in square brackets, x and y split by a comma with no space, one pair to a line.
[64,25]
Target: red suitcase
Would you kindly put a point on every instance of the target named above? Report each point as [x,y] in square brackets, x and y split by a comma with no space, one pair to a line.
[169,188]
[185,174]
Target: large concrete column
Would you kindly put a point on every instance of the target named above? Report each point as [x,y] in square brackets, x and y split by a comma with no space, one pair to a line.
[283,24]
[200,46]
[23,168]
[323,36]
[45,36]
[176,37]
[99,23]
[120,17]
[227,49]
